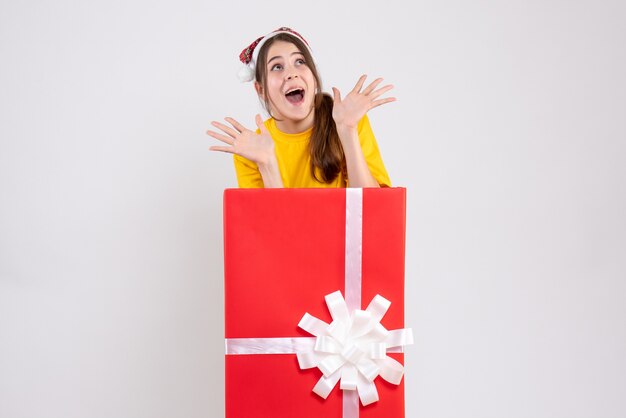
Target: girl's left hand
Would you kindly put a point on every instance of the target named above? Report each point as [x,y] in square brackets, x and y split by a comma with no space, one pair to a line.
[348,112]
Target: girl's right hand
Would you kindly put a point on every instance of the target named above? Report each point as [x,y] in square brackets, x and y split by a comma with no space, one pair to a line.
[258,148]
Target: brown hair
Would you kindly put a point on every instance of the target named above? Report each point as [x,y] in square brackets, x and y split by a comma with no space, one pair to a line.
[327,157]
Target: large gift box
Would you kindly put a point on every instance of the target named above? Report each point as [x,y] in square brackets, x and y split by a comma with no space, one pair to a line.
[314,302]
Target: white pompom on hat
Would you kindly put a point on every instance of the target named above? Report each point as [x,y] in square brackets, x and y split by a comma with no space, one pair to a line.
[250,54]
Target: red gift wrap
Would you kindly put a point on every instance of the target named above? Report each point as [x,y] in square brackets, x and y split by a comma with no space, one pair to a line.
[284,251]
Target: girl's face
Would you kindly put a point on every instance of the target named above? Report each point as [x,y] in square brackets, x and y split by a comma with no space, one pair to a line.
[290,87]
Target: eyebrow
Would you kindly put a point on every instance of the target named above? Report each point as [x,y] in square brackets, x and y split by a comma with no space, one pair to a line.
[278,56]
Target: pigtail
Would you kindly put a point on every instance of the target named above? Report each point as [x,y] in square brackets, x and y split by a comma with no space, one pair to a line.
[327,157]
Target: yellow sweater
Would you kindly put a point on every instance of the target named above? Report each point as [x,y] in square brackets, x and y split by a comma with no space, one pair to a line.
[294,161]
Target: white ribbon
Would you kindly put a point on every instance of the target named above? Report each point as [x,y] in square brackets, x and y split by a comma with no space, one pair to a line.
[353,348]
[354,247]
[284,345]
[287,345]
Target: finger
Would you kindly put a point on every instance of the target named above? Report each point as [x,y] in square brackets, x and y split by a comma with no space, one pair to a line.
[220,137]
[259,123]
[230,131]
[372,86]
[236,124]
[359,84]
[381,91]
[229,150]
[336,95]
[382,102]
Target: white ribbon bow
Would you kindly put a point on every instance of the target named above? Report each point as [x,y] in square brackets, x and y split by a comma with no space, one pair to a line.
[353,348]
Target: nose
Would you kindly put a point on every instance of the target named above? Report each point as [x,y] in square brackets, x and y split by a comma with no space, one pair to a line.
[291,76]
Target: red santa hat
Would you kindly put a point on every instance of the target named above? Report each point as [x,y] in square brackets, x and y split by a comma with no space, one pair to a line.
[250,54]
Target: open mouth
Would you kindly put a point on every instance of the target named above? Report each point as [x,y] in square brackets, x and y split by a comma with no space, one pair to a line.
[295,96]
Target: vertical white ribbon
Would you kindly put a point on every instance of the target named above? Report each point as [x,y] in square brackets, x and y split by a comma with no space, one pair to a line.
[354,247]
[353,260]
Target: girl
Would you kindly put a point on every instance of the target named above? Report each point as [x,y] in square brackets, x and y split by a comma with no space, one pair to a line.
[311,139]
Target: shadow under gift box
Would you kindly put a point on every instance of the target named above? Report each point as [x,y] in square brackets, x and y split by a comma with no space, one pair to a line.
[284,251]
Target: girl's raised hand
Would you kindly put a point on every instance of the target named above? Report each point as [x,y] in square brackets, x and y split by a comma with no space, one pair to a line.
[348,112]
[258,148]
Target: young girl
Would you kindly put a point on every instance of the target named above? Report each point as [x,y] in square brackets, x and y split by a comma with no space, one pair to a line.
[311,138]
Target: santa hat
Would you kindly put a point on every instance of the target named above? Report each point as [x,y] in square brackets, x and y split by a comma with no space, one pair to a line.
[250,54]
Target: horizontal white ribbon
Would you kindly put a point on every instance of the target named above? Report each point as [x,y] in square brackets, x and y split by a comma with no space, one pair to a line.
[287,345]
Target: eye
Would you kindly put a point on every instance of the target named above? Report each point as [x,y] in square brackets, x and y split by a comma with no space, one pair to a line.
[276,67]
[300,61]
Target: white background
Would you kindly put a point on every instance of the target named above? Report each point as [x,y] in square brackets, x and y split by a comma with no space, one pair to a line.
[509,133]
